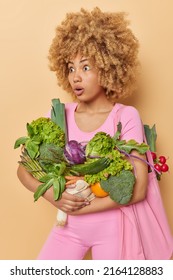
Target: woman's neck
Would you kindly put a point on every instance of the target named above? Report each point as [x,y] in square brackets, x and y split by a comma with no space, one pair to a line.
[101,105]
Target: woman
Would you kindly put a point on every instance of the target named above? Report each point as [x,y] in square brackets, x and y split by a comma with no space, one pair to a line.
[94,56]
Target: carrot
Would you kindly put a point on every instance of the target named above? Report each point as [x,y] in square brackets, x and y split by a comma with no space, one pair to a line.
[71,182]
[74,177]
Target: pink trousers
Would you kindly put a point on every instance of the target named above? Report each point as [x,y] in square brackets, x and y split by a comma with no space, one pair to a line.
[98,231]
[139,231]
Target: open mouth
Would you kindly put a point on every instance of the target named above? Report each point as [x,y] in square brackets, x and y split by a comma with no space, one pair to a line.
[78,91]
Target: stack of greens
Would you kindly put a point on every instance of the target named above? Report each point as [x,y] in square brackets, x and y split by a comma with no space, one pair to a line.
[50,157]
[42,153]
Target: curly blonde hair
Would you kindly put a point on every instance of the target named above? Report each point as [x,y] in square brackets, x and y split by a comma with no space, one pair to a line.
[103,37]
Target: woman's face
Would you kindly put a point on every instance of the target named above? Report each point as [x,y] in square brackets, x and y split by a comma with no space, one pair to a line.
[83,78]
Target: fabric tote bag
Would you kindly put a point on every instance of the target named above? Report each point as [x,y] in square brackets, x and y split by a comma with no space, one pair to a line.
[145,228]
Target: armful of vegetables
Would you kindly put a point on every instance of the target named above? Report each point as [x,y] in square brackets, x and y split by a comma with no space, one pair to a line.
[52,159]
[49,158]
[43,151]
[118,178]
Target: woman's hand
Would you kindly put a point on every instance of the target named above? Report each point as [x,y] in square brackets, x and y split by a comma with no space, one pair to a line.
[74,205]
[69,203]
[139,192]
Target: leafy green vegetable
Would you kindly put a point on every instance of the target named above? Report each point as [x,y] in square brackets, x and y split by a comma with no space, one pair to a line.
[118,132]
[48,131]
[120,187]
[43,154]
[32,148]
[58,116]
[129,146]
[151,136]
[51,152]
[53,178]
[100,145]
[42,189]
[20,141]
[58,187]
[41,130]
[117,164]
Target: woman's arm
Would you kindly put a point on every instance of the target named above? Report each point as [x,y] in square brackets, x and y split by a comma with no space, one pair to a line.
[74,205]
[67,203]
[139,192]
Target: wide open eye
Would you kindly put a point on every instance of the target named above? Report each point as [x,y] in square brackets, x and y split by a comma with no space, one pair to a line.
[70,69]
[86,68]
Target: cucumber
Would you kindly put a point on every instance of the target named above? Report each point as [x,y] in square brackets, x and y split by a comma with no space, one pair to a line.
[91,168]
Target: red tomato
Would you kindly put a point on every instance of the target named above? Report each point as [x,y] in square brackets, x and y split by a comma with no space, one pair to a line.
[154,156]
[162,159]
[157,167]
[164,167]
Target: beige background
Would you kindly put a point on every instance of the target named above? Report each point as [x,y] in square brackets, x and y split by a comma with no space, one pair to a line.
[27,87]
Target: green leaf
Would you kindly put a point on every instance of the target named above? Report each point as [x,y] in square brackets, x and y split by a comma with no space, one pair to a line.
[37,139]
[132,145]
[62,168]
[120,187]
[151,136]
[29,130]
[52,152]
[62,182]
[32,148]
[47,165]
[20,141]
[56,188]
[118,132]
[46,178]
[101,144]
[51,167]
[42,189]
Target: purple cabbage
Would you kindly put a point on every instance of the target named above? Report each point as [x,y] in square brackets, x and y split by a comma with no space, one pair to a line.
[74,152]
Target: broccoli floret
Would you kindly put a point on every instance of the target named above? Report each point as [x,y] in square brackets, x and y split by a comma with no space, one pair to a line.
[120,187]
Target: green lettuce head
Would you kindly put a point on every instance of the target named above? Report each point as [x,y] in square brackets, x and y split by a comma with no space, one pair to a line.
[41,130]
[100,145]
[46,131]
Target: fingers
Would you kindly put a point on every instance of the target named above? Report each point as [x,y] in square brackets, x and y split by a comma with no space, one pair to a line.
[69,203]
[71,208]
[72,197]
[68,208]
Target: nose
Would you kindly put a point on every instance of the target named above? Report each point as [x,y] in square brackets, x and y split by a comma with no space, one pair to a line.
[77,76]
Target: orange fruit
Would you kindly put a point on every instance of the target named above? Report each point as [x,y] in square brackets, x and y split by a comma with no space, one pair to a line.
[98,191]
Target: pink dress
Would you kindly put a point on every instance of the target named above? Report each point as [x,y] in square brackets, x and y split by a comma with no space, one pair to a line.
[138,231]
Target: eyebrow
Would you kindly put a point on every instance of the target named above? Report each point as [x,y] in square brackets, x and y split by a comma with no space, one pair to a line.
[81,61]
